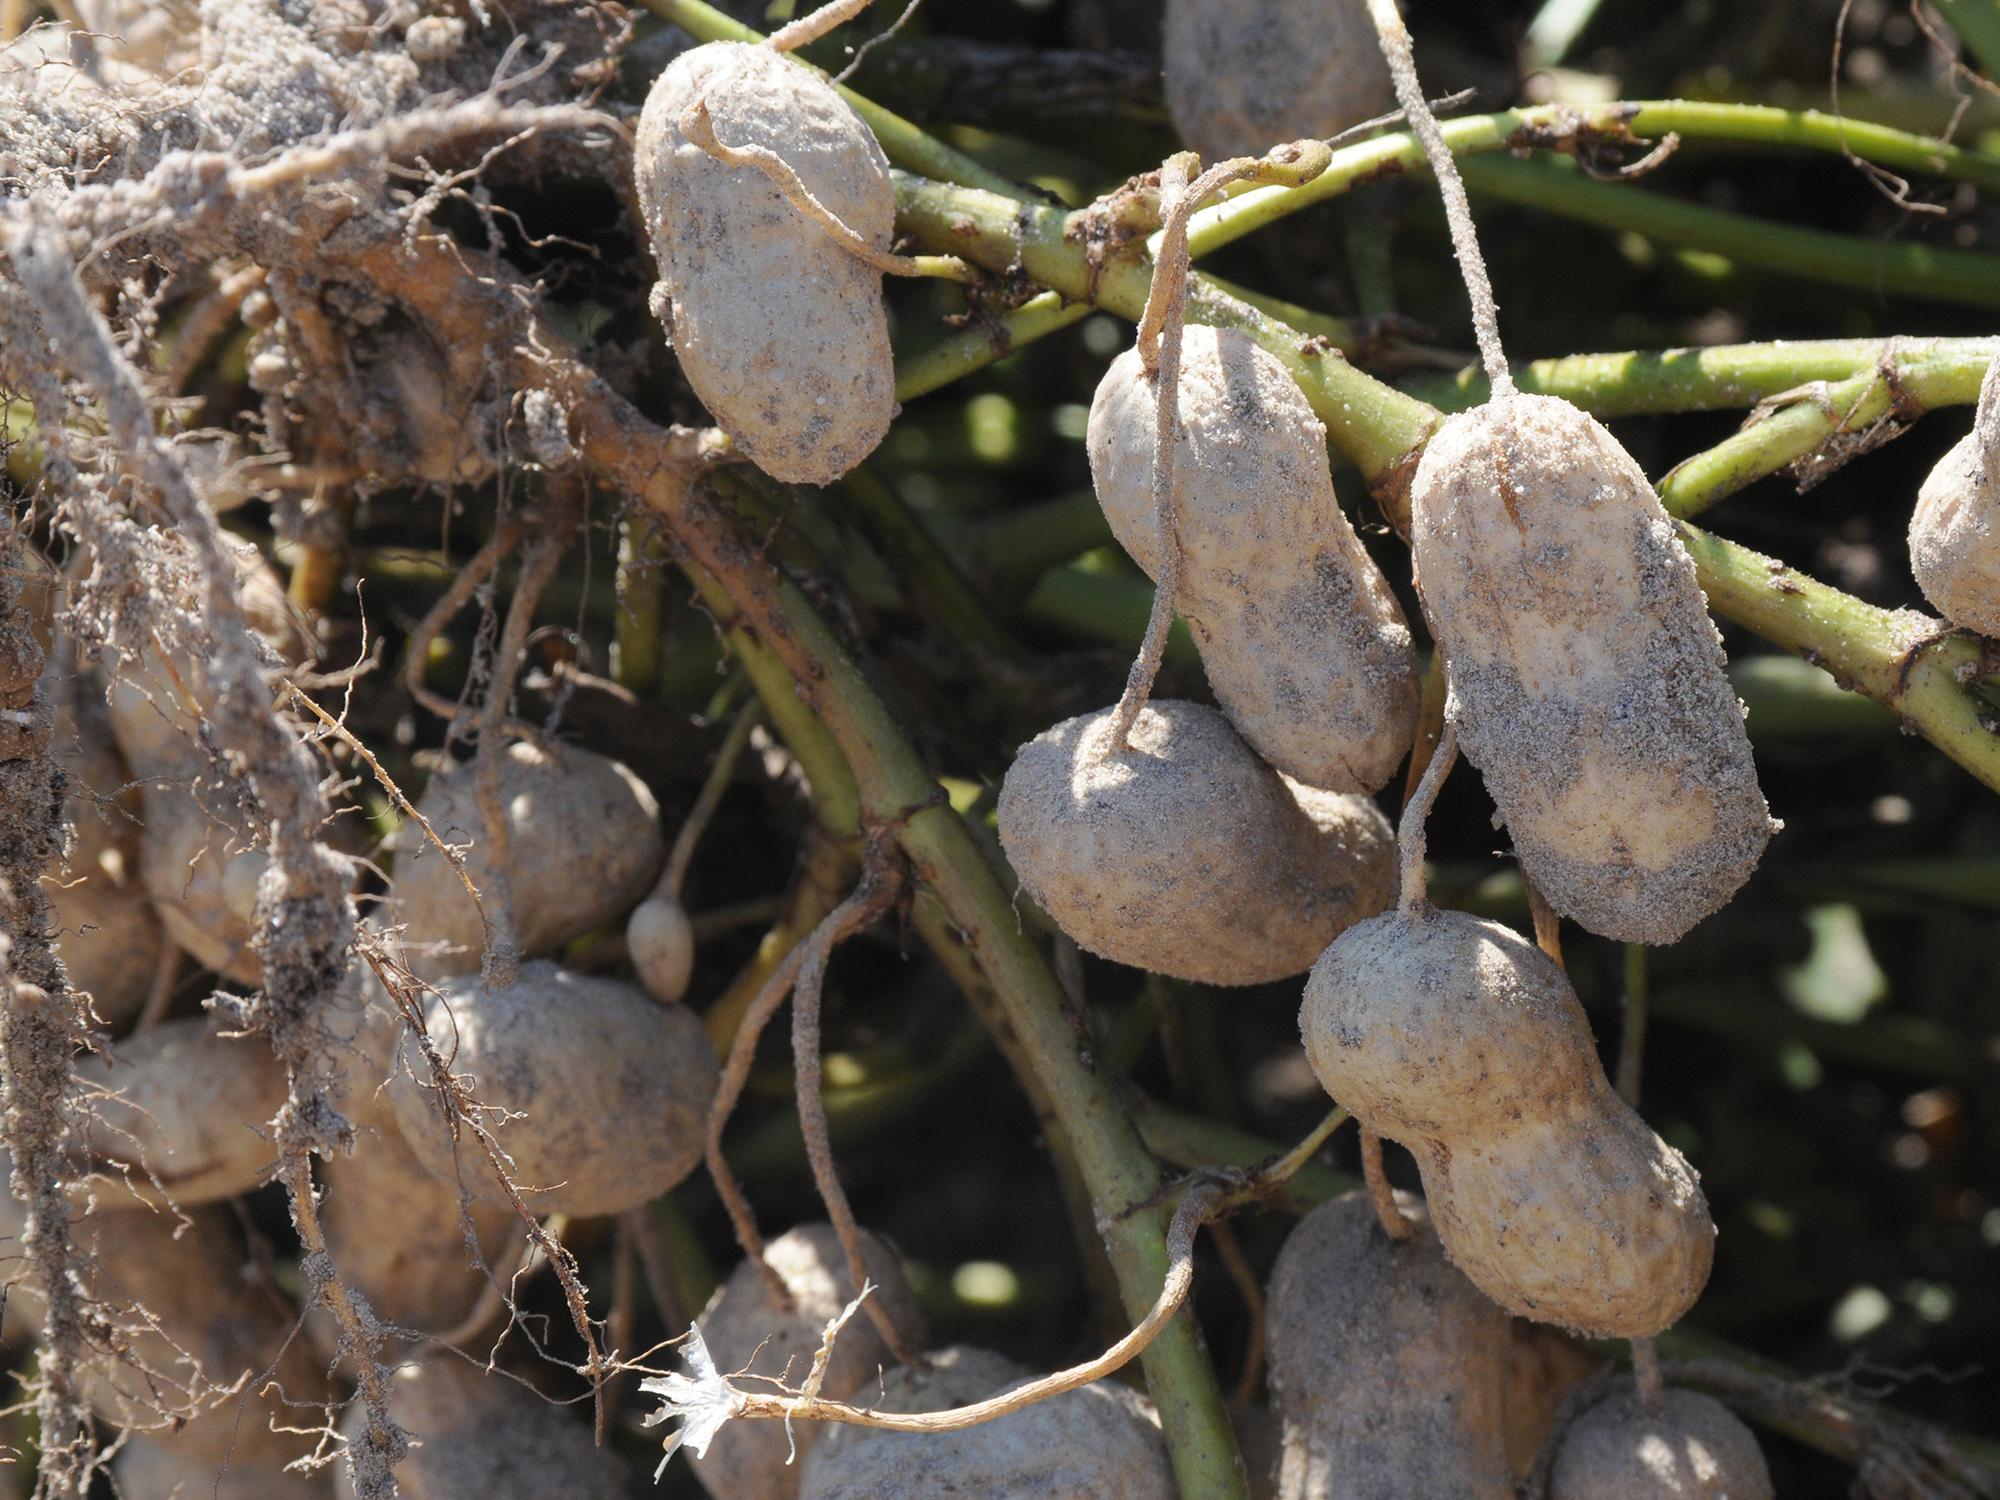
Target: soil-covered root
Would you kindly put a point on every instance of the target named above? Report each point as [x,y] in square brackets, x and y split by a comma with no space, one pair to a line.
[782,333]
[583,845]
[1305,646]
[1588,677]
[1464,1041]
[1955,529]
[485,1436]
[1184,853]
[1389,1370]
[1693,1448]
[1243,75]
[1101,1442]
[184,1115]
[747,1328]
[108,937]
[605,1094]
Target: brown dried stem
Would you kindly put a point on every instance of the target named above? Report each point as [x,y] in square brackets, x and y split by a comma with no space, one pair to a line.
[811,27]
[1410,837]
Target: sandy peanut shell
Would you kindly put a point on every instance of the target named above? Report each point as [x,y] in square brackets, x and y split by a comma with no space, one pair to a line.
[1463,1041]
[782,334]
[398,1233]
[154,1468]
[1244,75]
[1098,1443]
[107,935]
[583,844]
[479,1436]
[1544,1366]
[185,1116]
[1305,647]
[611,1091]
[194,1328]
[1695,1449]
[743,1326]
[1389,1369]
[1955,529]
[1588,676]
[1185,854]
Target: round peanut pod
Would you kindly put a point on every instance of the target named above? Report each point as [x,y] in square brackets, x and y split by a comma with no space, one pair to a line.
[154,1468]
[193,1336]
[745,1327]
[1184,853]
[1389,1370]
[1305,646]
[1693,1449]
[184,1115]
[1243,75]
[782,333]
[606,1094]
[1101,1442]
[107,935]
[1588,676]
[1955,529]
[195,823]
[660,939]
[1463,1041]
[481,1436]
[583,844]
[398,1234]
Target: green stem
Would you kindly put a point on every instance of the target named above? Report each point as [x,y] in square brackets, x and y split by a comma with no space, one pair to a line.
[1904,382]
[1015,547]
[1978,24]
[635,640]
[1908,270]
[1721,377]
[1110,608]
[986,340]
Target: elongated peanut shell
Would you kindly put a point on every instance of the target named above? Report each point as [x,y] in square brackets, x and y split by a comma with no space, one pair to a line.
[1389,1370]
[1184,853]
[1305,647]
[782,334]
[1694,1449]
[745,1326]
[583,844]
[1463,1041]
[1589,679]
[1955,530]
[1101,1442]
[1244,75]
[606,1093]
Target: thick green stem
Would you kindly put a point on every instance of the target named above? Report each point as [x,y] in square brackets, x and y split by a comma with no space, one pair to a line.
[1874,267]
[1905,381]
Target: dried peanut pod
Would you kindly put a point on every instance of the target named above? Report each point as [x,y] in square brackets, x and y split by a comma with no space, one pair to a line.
[399,1232]
[1184,853]
[1463,1041]
[583,844]
[1589,678]
[606,1094]
[1243,75]
[745,1327]
[195,821]
[194,1327]
[156,1468]
[1305,646]
[184,1116]
[1101,1442]
[107,935]
[1955,530]
[1693,1449]
[1389,1370]
[481,1436]
[783,334]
